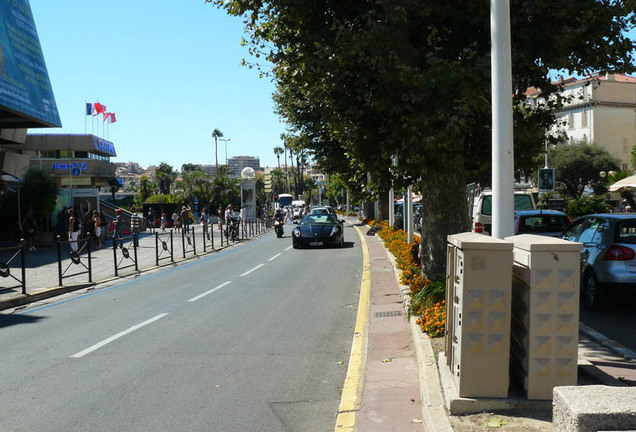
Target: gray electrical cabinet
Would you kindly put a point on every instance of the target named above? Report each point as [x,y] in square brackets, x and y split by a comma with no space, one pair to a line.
[478,314]
[545,313]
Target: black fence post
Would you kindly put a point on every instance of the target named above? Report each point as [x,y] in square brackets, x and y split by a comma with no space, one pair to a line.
[221,235]
[90,261]
[194,240]
[59,259]
[157,248]
[115,253]
[183,241]
[171,247]
[22,257]
[135,243]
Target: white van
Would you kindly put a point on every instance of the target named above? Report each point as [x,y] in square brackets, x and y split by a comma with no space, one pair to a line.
[482,209]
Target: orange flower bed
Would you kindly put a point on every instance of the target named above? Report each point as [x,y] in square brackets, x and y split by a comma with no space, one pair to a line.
[431,319]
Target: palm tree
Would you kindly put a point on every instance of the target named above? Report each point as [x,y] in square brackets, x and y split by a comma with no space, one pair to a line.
[216,134]
[278,150]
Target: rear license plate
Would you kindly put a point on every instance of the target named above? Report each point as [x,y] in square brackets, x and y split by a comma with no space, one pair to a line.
[315,243]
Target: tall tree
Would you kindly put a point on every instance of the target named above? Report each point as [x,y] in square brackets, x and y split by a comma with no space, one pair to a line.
[368,80]
[278,150]
[579,165]
[216,134]
[165,176]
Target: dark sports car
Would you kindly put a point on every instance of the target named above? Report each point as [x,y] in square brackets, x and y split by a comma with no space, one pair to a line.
[318,230]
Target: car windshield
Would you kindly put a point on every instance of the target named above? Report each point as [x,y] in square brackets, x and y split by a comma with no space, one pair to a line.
[543,223]
[318,219]
[522,202]
[626,232]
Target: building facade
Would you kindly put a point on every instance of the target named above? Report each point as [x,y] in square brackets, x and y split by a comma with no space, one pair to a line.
[601,109]
[237,163]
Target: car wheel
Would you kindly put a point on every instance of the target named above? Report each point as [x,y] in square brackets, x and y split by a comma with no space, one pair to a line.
[296,245]
[591,291]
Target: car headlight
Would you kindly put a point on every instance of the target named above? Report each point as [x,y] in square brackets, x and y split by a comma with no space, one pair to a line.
[334,231]
[296,232]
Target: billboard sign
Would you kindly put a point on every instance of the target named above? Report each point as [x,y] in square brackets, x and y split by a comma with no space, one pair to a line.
[546,180]
[26,95]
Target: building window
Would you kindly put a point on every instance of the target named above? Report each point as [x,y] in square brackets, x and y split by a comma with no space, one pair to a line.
[66,154]
[571,121]
[584,119]
[81,154]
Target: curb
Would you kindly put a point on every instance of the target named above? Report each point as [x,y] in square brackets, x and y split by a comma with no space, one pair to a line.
[606,342]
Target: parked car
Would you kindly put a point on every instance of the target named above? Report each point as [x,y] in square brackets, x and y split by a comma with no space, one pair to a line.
[608,257]
[541,222]
[482,209]
[318,230]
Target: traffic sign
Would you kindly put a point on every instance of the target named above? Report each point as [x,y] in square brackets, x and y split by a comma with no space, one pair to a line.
[76,172]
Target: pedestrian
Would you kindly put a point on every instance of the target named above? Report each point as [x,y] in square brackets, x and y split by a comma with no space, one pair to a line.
[30,229]
[103,224]
[185,218]
[221,216]
[97,224]
[152,220]
[177,223]
[163,222]
[73,229]
[174,218]
[205,220]
[62,221]
[119,228]
[134,226]
[229,215]
[242,214]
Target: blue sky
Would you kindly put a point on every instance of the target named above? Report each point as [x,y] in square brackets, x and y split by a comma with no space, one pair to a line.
[170,70]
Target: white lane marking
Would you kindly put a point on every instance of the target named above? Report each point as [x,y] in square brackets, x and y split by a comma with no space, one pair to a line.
[289,248]
[117,336]
[193,299]
[274,257]
[250,271]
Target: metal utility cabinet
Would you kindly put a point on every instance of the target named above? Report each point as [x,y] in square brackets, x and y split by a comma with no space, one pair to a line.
[545,313]
[478,314]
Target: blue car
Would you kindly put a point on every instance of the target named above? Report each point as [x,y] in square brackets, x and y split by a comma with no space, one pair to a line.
[550,223]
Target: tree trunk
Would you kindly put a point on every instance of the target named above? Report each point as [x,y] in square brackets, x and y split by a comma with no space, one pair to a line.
[383,207]
[444,212]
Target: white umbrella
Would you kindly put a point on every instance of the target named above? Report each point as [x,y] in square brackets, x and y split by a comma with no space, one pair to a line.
[626,182]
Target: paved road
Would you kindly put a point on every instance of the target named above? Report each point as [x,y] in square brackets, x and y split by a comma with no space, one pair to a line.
[617,320]
[249,339]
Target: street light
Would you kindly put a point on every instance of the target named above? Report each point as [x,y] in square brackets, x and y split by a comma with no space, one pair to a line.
[225,140]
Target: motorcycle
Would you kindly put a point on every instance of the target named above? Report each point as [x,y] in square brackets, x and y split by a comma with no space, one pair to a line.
[278,227]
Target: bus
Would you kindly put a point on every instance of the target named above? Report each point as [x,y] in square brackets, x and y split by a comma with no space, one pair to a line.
[284,200]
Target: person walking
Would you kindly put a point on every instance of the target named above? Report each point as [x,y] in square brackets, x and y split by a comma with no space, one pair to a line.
[97,224]
[134,226]
[152,220]
[103,224]
[174,218]
[185,218]
[205,220]
[30,229]
[73,229]
[163,222]
[221,217]
[119,228]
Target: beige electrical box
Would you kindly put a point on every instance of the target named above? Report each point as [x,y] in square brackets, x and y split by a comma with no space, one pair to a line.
[545,313]
[478,314]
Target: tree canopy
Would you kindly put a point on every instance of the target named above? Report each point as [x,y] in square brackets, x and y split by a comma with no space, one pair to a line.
[366,80]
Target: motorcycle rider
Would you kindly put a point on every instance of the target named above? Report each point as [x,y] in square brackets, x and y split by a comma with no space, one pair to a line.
[279,219]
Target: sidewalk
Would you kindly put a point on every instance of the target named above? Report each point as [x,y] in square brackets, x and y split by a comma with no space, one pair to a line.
[402,389]
[42,267]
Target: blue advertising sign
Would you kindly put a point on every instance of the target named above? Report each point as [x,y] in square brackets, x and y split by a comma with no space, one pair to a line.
[104,146]
[25,87]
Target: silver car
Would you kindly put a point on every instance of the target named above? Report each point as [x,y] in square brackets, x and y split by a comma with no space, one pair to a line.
[608,257]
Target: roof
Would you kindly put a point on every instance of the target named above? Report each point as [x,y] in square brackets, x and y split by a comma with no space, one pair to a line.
[538,212]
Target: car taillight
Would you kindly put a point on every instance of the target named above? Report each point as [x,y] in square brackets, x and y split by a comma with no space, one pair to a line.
[619,253]
[479,227]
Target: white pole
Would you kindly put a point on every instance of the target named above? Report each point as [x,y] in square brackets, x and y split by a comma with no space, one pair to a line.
[502,137]
[391,207]
[409,215]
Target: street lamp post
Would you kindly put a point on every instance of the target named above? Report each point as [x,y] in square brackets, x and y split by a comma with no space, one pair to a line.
[225,141]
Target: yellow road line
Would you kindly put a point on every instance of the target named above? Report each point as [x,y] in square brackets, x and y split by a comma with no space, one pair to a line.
[352,389]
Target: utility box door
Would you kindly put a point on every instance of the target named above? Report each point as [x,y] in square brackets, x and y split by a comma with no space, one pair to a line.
[479,315]
[545,313]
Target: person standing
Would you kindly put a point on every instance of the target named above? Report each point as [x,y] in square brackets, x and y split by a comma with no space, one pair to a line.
[221,216]
[30,229]
[103,225]
[152,220]
[97,224]
[134,226]
[73,229]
